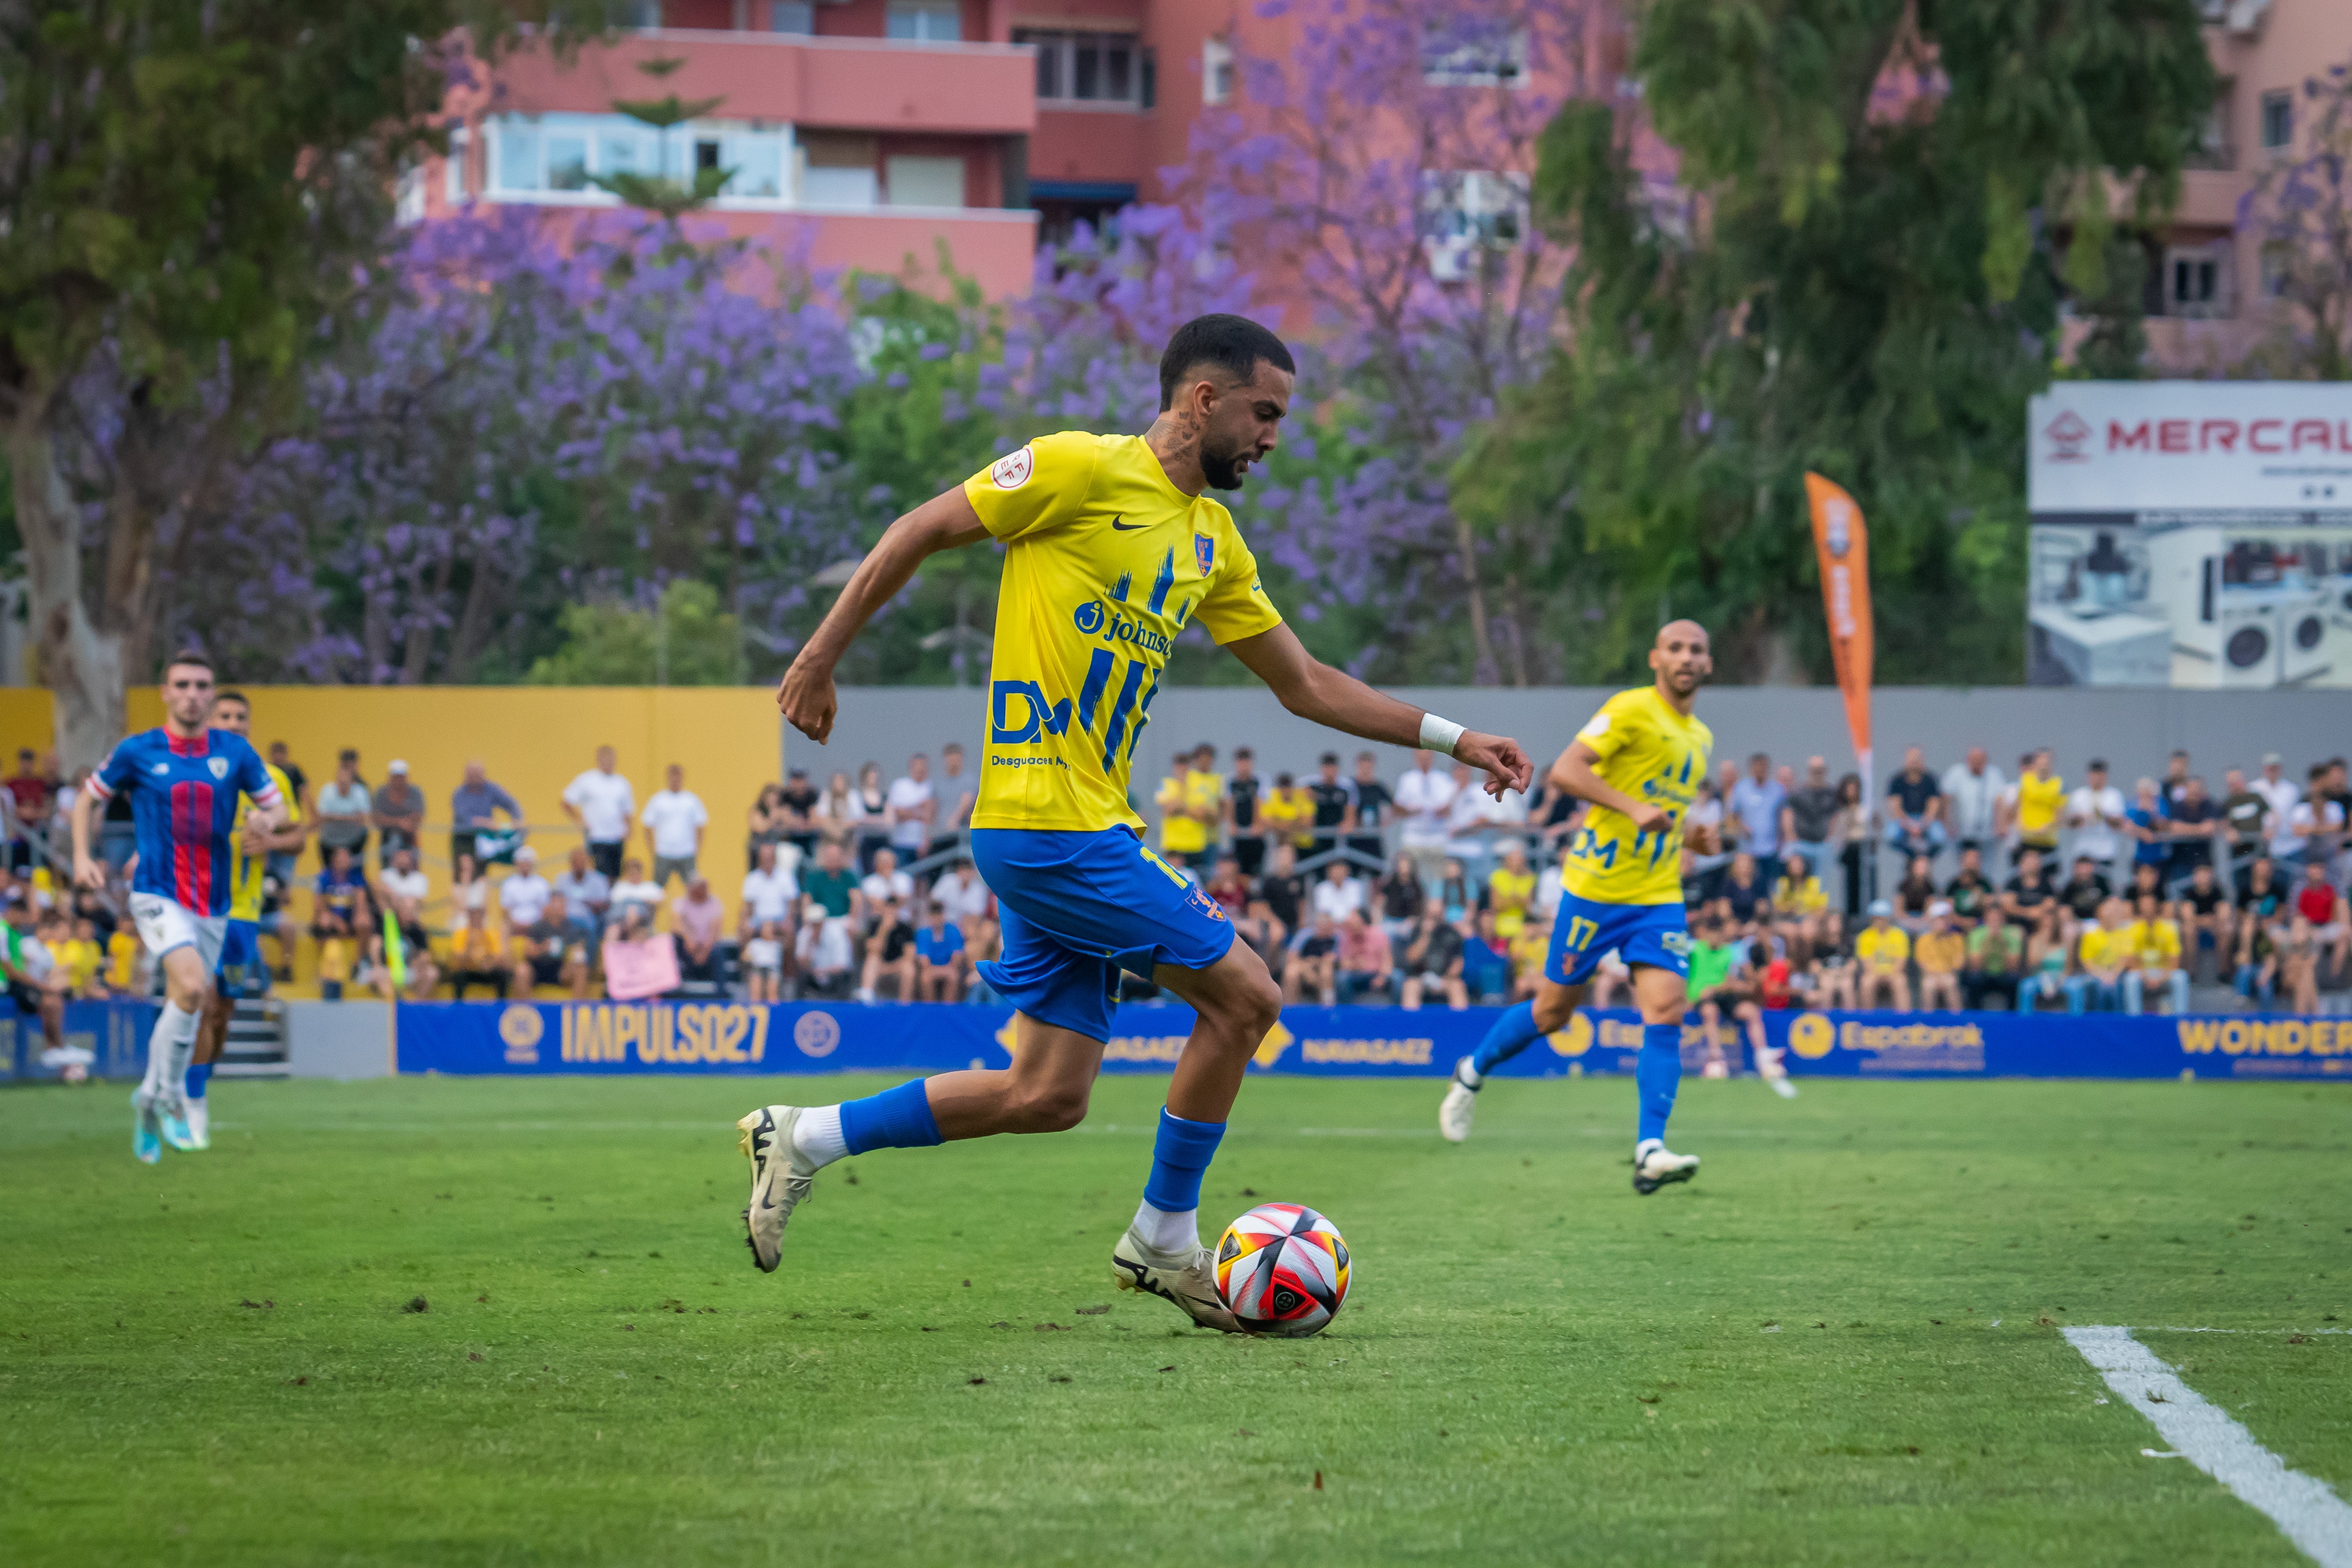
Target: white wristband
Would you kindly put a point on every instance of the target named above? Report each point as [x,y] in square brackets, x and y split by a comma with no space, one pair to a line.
[1438,734]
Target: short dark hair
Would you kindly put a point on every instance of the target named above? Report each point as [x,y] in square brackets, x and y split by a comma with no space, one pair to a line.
[1330,758]
[347,755]
[1232,343]
[189,656]
[232,695]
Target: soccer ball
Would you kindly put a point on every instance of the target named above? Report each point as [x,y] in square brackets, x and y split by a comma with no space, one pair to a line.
[1282,1269]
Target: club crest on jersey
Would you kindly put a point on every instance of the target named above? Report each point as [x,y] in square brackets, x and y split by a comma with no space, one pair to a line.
[159,769]
[218,767]
[1089,617]
[1011,471]
[1204,551]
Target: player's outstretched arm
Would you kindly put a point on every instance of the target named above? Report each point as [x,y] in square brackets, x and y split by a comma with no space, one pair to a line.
[1313,690]
[946,521]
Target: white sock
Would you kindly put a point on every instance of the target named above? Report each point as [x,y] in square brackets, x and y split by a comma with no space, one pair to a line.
[1168,1233]
[200,1118]
[1466,1075]
[1641,1150]
[175,1031]
[816,1136]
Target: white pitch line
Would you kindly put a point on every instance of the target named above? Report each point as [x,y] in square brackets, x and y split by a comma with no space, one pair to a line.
[2305,1512]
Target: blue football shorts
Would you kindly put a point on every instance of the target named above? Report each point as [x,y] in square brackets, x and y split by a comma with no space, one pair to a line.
[1584,932]
[1078,907]
[240,970]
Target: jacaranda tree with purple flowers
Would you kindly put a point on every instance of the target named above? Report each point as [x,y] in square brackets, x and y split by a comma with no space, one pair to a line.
[2300,214]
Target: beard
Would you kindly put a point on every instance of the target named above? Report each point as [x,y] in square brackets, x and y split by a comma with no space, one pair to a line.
[1223,467]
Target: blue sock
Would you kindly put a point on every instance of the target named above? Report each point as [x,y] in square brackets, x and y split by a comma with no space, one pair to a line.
[1514,1032]
[1657,1073]
[199,1074]
[896,1118]
[1179,1158]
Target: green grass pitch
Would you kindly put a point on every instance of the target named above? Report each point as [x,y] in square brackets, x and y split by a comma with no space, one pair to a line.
[1840,1345]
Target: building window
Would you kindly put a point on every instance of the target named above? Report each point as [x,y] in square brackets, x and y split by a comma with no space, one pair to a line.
[1466,214]
[2278,119]
[839,170]
[641,14]
[1216,70]
[1089,67]
[792,16]
[2197,280]
[1471,51]
[926,21]
[452,171]
[561,156]
[924,182]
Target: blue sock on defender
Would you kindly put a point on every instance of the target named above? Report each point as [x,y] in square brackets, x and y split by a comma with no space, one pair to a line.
[1514,1032]
[1179,1158]
[1657,1073]
[199,1075]
[896,1118]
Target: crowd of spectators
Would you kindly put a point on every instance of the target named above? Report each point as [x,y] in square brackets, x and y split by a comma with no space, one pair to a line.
[1964,888]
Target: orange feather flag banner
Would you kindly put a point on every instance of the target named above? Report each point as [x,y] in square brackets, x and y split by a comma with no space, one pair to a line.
[1842,544]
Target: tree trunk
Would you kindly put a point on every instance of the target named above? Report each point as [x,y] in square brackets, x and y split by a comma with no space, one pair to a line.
[81,664]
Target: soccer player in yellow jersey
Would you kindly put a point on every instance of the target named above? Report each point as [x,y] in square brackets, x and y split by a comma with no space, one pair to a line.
[240,972]
[1110,550]
[1640,762]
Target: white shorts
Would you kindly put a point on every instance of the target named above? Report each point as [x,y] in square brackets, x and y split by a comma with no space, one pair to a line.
[166,923]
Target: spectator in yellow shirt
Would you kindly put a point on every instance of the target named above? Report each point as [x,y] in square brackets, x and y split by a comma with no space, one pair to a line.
[1188,801]
[1799,908]
[123,950]
[1882,951]
[1510,889]
[2032,804]
[1286,813]
[2155,944]
[81,957]
[1528,948]
[2103,953]
[1942,952]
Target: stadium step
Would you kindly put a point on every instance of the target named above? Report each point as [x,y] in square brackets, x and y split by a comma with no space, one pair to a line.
[257,1042]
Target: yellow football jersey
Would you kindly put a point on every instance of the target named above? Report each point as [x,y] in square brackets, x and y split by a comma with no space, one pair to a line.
[1105,562]
[246,871]
[1653,753]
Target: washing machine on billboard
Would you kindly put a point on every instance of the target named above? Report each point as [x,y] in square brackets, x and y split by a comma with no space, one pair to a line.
[2225,602]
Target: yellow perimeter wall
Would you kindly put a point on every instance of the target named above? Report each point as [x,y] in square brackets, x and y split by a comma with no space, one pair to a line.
[532,738]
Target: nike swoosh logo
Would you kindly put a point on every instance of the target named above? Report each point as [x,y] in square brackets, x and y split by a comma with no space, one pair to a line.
[1126,527]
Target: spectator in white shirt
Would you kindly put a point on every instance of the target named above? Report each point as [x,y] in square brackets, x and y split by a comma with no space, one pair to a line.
[1465,821]
[955,796]
[769,891]
[1339,894]
[674,821]
[886,883]
[404,887]
[2280,792]
[1422,797]
[634,892]
[913,806]
[522,896]
[602,802]
[587,894]
[2314,826]
[962,893]
[1973,792]
[2095,813]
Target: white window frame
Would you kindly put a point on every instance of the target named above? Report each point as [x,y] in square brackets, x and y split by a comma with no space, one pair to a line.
[2217,255]
[1474,64]
[893,8]
[1218,77]
[2278,98]
[736,138]
[1466,211]
[1062,45]
[453,173]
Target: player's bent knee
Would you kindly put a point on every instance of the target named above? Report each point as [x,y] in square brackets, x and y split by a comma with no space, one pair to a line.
[1047,1106]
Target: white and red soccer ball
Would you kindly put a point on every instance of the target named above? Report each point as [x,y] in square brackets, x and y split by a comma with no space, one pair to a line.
[1282,1269]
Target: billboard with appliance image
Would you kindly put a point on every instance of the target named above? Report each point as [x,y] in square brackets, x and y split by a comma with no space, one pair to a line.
[2191,533]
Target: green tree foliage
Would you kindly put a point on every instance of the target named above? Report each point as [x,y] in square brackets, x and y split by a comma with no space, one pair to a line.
[687,641]
[1859,267]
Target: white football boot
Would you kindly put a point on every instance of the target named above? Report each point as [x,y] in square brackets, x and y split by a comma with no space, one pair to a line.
[1661,1166]
[1187,1279]
[174,1110]
[1460,1104]
[1769,1067]
[781,1179]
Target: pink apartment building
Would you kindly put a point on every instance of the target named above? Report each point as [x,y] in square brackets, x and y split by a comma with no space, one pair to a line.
[873,131]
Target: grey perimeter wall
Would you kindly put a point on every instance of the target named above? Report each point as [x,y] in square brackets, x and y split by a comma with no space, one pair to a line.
[2133,730]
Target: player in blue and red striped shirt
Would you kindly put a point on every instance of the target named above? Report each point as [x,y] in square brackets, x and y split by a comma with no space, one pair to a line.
[185,779]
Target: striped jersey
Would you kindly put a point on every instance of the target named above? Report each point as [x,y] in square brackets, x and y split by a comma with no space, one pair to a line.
[184,795]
